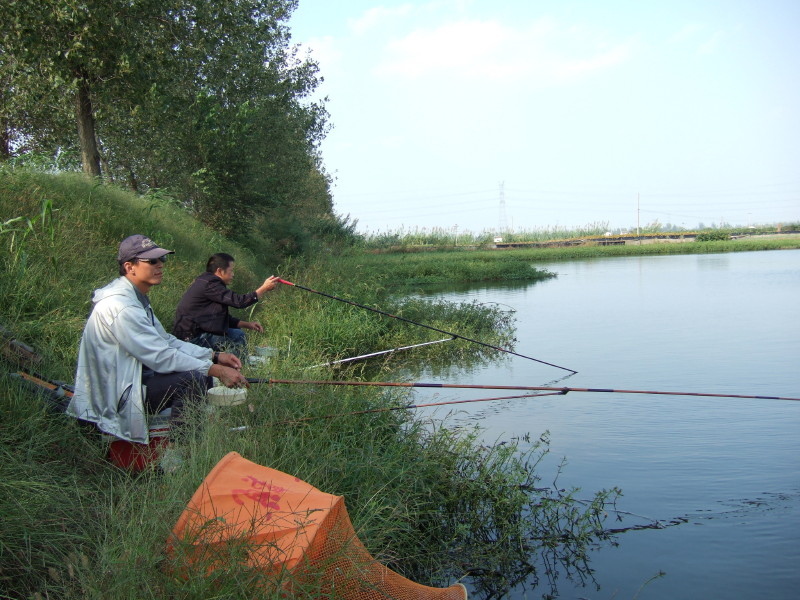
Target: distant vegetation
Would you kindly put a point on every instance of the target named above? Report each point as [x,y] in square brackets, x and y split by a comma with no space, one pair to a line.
[713,236]
[443,238]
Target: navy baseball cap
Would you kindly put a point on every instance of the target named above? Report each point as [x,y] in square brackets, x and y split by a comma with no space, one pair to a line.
[139,246]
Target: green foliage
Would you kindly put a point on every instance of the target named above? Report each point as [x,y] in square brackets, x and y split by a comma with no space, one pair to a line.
[400,270]
[712,236]
[214,107]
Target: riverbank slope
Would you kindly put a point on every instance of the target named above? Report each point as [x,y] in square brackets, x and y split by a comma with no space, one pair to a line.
[432,504]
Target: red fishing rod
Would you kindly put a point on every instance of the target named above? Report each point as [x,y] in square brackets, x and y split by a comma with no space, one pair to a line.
[411,406]
[450,333]
[528,388]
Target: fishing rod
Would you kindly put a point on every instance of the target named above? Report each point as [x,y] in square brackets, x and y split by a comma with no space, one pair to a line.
[561,390]
[454,335]
[410,406]
[379,353]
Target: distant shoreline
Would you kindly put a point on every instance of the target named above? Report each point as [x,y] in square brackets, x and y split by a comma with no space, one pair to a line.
[639,240]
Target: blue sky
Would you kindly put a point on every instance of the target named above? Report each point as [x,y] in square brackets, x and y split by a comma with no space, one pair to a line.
[534,114]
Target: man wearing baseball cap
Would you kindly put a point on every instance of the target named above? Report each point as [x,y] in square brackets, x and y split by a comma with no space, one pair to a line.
[128,365]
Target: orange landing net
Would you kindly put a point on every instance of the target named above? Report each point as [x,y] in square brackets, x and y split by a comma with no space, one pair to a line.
[290,531]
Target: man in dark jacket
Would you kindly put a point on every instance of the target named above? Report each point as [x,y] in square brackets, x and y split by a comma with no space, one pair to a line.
[202,315]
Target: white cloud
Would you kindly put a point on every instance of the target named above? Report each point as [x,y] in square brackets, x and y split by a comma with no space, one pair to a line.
[375,17]
[490,50]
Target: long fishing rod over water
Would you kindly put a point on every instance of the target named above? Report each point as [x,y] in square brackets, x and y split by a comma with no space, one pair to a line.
[450,333]
[527,388]
[411,406]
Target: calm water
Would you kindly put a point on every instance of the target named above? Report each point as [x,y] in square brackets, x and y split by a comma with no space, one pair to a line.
[726,323]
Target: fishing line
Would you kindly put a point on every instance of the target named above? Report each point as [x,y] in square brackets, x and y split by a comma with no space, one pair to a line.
[559,390]
[450,333]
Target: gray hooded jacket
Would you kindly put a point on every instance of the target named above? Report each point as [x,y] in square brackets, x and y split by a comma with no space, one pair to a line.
[119,337]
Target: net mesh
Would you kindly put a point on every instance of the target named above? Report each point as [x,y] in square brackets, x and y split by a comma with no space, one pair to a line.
[279,525]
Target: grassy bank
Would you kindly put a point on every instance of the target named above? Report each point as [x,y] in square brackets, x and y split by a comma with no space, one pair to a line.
[430,502]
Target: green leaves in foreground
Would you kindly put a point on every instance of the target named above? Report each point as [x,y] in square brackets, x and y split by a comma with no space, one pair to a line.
[499,527]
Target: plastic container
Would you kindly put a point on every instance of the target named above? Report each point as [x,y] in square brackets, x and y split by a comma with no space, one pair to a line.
[225,396]
[137,457]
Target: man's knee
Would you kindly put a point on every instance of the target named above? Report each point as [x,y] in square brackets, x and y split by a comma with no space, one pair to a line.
[204,339]
[173,390]
[237,336]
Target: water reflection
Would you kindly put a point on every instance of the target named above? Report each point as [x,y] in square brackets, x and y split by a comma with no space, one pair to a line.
[714,261]
[706,323]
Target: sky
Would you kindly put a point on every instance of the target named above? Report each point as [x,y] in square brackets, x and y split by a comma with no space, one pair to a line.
[530,115]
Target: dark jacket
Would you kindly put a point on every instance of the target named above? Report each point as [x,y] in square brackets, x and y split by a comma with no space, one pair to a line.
[204,308]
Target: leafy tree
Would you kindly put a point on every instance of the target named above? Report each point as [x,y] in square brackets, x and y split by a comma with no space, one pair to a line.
[80,50]
[28,104]
[204,98]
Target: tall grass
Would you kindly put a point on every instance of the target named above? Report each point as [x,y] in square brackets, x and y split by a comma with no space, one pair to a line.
[441,237]
[430,502]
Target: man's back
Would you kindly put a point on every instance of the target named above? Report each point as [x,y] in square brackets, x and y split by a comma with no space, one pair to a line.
[204,307]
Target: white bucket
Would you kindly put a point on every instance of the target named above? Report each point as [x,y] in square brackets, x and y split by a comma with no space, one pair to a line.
[225,396]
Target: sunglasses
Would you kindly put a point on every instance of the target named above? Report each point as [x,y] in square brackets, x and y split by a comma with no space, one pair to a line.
[152,261]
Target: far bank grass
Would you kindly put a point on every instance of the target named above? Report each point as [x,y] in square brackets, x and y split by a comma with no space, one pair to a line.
[663,248]
[401,269]
[466,264]
[417,239]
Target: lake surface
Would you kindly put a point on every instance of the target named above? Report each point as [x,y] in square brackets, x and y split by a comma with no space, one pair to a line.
[723,323]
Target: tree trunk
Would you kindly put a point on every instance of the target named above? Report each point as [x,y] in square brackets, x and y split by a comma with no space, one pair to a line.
[90,157]
[133,181]
[5,140]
